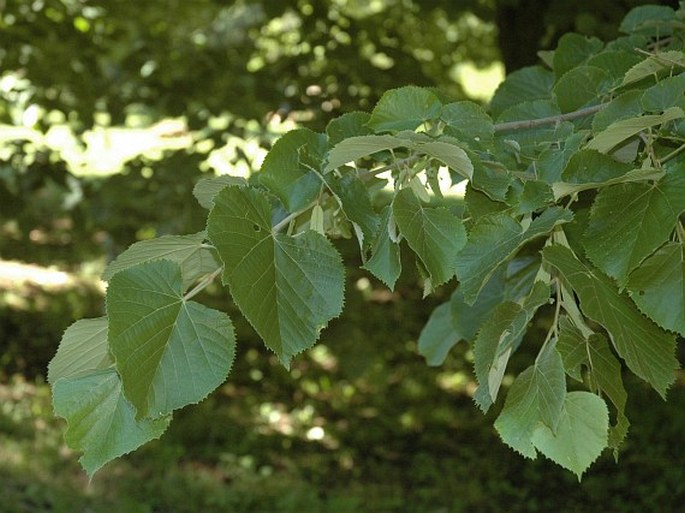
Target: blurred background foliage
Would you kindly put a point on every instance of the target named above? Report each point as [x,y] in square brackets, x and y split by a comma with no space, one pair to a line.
[111,111]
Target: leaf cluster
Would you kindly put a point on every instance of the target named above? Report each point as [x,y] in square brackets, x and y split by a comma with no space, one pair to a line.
[575,191]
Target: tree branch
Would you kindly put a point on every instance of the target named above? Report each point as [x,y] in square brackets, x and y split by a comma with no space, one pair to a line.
[551,120]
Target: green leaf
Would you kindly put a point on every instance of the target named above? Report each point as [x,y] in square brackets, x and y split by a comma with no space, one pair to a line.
[356,204]
[287,174]
[169,352]
[385,262]
[498,338]
[83,348]
[289,288]
[617,244]
[621,130]
[354,148]
[591,166]
[666,93]
[350,124]
[572,347]
[195,258]
[494,181]
[581,435]
[580,87]
[658,287]
[615,63]
[438,336]
[531,83]
[468,122]
[493,239]
[535,195]
[479,204]
[449,154]
[536,397]
[663,62]
[624,106]
[650,19]
[100,421]
[404,108]
[572,50]
[465,320]
[605,377]
[205,190]
[434,234]
[648,351]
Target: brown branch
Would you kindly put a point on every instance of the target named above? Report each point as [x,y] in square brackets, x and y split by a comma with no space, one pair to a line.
[551,120]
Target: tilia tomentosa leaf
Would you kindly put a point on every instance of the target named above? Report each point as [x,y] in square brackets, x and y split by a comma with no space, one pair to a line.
[87,393]
[289,288]
[169,352]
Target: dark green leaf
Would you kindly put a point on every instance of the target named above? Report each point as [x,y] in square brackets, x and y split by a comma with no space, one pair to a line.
[572,50]
[405,108]
[468,122]
[286,175]
[350,124]
[498,338]
[385,262]
[625,106]
[434,234]
[289,288]
[658,287]
[629,221]
[493,239]
[580,87]
[649,19]
[438,336]
[532,83]
[648,351]
[356,204]
[666,93]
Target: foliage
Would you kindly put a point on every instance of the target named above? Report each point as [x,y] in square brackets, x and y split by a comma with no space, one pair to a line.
[571,199]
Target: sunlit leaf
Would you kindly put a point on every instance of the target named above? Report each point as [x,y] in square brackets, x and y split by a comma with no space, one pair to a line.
[621,130]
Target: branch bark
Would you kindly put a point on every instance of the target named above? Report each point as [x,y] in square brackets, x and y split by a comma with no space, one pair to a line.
[551,120]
